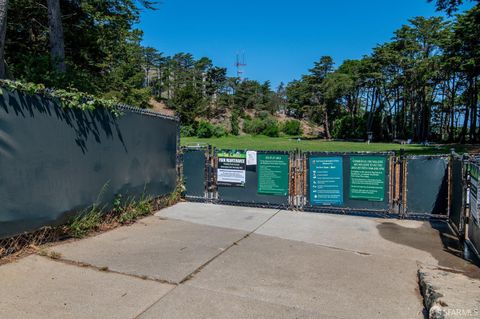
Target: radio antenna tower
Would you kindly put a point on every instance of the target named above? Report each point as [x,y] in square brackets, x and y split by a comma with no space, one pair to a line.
[240,64]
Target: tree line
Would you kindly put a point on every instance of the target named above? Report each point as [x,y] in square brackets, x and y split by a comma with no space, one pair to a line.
[198,90]
[86,45]
[422,85]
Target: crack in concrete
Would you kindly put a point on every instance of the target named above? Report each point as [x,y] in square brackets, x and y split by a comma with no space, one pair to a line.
[162,281]
[246,297]
[105,269]
[153,304]
[196,271]
[235,243]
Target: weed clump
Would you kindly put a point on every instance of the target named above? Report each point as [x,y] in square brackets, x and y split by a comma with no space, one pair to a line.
[84,223]
[96,218]
[124,211]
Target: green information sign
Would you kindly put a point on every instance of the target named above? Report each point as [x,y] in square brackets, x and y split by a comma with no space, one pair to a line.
[272,174]
[367,178]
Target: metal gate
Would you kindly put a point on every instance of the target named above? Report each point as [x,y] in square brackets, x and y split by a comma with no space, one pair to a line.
[436,186]
[196,172]
[427,186]
[458,190]
[472,216]
[261,168]
[355,183]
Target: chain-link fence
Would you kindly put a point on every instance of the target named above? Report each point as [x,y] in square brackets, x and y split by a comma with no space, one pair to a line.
[56,161]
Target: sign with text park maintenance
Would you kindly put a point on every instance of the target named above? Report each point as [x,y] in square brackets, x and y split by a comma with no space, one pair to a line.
[367,178]
[231,168]
[326,180]
[272,174]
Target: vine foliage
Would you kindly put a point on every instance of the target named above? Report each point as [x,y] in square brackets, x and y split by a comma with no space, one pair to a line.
[71,99]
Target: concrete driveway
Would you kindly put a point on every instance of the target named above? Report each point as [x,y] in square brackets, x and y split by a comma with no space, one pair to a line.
[197,260]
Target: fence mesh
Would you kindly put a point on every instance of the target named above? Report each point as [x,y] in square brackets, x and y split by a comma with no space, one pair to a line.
[12,245]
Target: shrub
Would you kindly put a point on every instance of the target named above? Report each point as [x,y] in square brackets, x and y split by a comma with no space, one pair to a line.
[246,116]
[248,126]
[205,129]
[292,127]
[234,124]
[187,131]
[271,128]
[263,115]
[219,131]
[254,127]
[258,126]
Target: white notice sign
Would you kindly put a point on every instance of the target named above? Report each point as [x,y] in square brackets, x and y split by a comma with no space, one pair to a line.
[251,158]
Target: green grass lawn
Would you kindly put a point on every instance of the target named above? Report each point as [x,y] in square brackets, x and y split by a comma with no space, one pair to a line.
[264,143]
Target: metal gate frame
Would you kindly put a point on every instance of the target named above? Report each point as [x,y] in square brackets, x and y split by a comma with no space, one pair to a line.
[214,187]
[298,188]
[403,206]
[208,182]
[391,211]
[470,245]
[459,229]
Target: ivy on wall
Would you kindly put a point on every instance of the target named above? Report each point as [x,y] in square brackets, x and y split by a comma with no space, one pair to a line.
[71,99]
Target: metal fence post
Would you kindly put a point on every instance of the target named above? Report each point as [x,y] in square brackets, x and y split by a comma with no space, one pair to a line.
[450,181]
[403,184]
[212,177]
[291,181]
[465,199]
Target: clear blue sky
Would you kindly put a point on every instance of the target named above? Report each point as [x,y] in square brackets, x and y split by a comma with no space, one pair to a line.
[281,39]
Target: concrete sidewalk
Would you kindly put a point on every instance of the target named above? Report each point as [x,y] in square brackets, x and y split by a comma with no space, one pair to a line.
[197,260]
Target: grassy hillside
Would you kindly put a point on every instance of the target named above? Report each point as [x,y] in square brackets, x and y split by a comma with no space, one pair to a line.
[287,144]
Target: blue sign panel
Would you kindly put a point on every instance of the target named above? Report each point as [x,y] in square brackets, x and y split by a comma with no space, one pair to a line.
[326,180]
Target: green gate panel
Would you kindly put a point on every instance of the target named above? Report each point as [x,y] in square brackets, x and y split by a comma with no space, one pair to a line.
[273,174]
[356,195]
[194,173]
[326,180]
[248,194]
[367,178]
[427,185]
